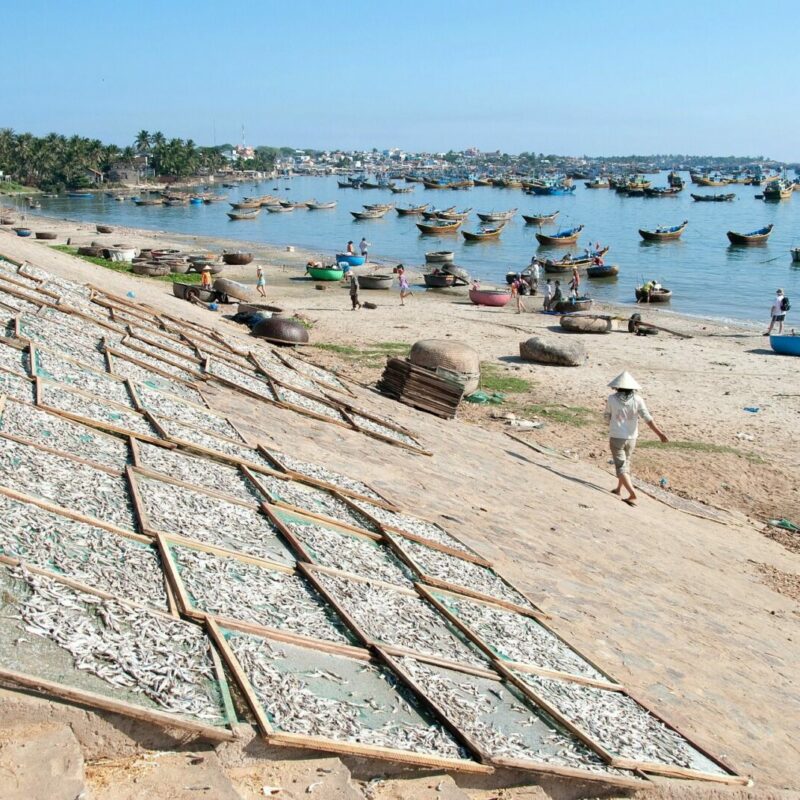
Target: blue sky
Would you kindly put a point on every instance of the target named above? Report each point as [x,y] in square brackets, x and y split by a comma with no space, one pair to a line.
[702,77]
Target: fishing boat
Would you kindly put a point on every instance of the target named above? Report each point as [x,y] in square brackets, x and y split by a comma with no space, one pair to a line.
[568,236]
[173,202]
[247,203]
[196,201]
[438,280]
[788,345]
[369,214]
[754,237]
[710,180]
[497,216]
[661,295]
[795,254]
[375,281]
[313,205]
[713,198]
[325,273]
[454,215]
[435,212]
[482,181]
[410,211]
[440,257]
[79,195]
[661,191]
[662,234]
[602,271]
[539,219]
[290,204]
[345,185]
[379,207]
[251,213]
[571,305]
[550,189]
[675,180]
[401,189]
[489,297]
[596,183]
[483,234]
[148,201]
[277,208]
[435,184]
[568,262]
[353,260]
[440,226]
[778,189]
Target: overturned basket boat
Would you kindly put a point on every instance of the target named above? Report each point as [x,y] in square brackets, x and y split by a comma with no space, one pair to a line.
[104,229]
[439,280]
[578,324]
[569,306]
[375,281]
[45,235]
[602,271]
[237,259]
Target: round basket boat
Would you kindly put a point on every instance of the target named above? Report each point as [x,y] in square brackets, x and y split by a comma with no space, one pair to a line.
[239,291]
[440,256]
[178,267]
[104,229]
[23,231]
[7,220]
[281,330]
[257,308]
[375,281]
[587,324]
[148,268]
[95,252]
[45,235]
[353,261]
[325,273]
[455,360]
[186,291]
[237,259]
[489,297]
[121,253]
[568,306]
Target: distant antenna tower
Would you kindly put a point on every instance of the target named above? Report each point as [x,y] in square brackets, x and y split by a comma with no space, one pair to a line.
[243,142]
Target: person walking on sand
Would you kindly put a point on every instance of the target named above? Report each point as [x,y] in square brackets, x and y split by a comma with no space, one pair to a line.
[354,287]
[575,283]
[557,296]
[402,279]
[261,281]
[205,278]
[516,292]
[778,312]
[623,409]
[363,246]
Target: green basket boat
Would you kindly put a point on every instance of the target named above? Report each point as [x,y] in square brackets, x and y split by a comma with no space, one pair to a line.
[325,273]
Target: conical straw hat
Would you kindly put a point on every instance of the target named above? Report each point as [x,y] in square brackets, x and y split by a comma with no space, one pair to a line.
[625,381]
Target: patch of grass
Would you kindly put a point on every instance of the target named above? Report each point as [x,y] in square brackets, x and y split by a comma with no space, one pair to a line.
[122,266]
[577,416]
[496,379]
[373,355]
[339,349]
[700,447]
[10,187]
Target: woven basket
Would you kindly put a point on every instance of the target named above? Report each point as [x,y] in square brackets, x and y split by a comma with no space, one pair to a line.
[454,357]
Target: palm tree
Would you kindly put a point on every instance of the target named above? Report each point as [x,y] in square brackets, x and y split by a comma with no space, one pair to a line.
[142,141]
[157,139]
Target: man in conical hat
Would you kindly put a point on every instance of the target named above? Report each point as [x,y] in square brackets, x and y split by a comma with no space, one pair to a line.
[623,409]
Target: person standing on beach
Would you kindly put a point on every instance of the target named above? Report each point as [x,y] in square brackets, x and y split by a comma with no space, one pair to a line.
[778,312]
[363,246]
[557,296]
[261,281]
[575,283]
[351,251]
[354,287]
[516,292]
[535,272]
[623,409]
[548,295]
[402,279]
[205,278]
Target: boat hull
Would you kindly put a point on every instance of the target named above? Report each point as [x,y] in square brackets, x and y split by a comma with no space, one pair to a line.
[489,297]
[571,238]
[785,345]
[749,238]
[353,261]
[440,257]
[438,281]
[663,296]
[325,273]
[609,271]
[375,281]
[535,219]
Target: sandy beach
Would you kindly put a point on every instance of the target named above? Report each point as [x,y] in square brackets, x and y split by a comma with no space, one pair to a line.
[699,617]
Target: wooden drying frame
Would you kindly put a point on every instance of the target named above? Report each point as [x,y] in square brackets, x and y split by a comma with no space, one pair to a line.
[104,703]
[149,529]
[456,588]
[277,385]
[309,571]
[274,736]
[348,409]
[133,333]
[27,293]
[483,755]
[415,537]
[112,354]
[211,348]
[302,478]
[239,387]
[65,308]
[539,619]
[132,342]
[190,609]
[24,379]
[344,389]
[88,421]
[621,762]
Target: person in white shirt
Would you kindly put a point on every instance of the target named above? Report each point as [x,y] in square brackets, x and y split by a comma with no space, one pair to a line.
[535,274]
[777,313]
[548,295]
[623,409]
[363,246]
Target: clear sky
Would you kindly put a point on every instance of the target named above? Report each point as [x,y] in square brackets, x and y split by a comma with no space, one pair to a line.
[601,78]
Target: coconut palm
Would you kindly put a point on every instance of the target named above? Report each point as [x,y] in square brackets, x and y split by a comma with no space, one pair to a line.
[142,141]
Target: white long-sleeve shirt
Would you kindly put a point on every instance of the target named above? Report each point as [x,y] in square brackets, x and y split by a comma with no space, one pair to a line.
[623,414]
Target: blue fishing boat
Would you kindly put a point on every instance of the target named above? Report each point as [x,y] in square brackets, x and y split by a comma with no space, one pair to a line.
[551,188]
[785,345]
[353,261]
[196,201]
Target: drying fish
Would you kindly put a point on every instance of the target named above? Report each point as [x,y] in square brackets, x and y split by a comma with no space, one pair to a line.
[240,379]
[153,361]
[71,484]
[292,398]
[211,520]
[80,346]
[517,637]
[88,554]
[395,618]
[313,371]
[371,426]
[227,587]
[456,571]
[191,366]
[165,343]
[203,472]
[124,368]
[340,550]
[280,372]
[13,360]
[15,386]
[18,304]
[60,433]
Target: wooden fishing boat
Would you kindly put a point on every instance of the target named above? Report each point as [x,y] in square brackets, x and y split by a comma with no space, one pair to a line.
[454,215]
[664,234]
[482,181]
[440,226]
[237,259]
[707,180]
[79,195]
[550,189]
[675,180]
[375,281]
[754,237]
[401,189]
[245,214]
[497,216]
[568,236]
[148,201]
[434,212]
[277,208]
[368,214]
[290,205]
[661,191]
[602,271]
[483,234]
[778,189]
[434,184]
[713,198]
[325,273]
[596,183]
[440,257]
[410,211]
[569,306]
[569,261]
[438,280]
[353,260]
[662,295]
[172,202]
[463,183]
[490,297]
[539,219]
[379,207]
[313,205]
[345,185]
[247,204]
[785,345]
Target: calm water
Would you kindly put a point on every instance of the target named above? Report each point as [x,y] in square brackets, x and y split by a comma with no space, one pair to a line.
[708,276]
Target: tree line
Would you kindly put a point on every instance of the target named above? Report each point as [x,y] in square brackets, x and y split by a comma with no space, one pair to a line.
[55,162]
